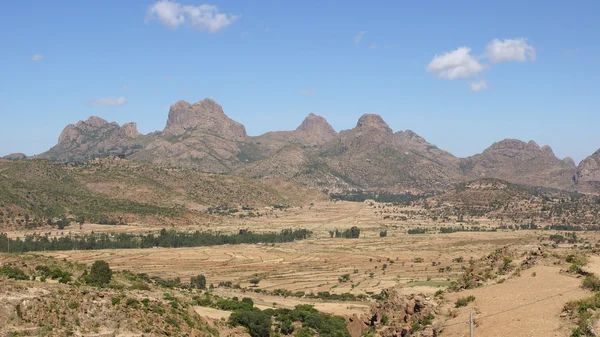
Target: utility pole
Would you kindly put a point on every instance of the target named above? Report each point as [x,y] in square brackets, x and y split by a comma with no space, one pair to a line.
[471,324]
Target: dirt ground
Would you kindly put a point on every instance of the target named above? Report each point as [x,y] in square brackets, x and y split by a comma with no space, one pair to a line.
[523,306]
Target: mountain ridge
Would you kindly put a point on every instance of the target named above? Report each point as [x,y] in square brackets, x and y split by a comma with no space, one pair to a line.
[371,155]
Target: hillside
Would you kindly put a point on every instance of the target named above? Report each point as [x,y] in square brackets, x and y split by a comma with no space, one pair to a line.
[370,156]
[521,163]
[515,204]
[116,190]
[588,174]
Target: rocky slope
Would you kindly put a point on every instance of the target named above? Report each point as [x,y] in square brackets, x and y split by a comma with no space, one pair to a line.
[523,163]
[93,138]
[588,174]
[369,156]
[314,131]
[199,136]
[110,189]
[372,156]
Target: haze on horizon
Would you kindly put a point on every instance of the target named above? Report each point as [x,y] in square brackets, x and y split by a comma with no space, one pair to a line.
[461,76]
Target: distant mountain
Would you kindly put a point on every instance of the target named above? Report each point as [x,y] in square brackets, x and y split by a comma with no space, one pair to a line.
[523,163]
[95,137]
[370,156]
[588,174]
[200,136]
[314,131]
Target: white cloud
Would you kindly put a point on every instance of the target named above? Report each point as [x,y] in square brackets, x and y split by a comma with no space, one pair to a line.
[455,64]
[477,86]
[205,17]
[359,36]
[509,50]
[37,57]
[104,101]
[308,92]
[373,46]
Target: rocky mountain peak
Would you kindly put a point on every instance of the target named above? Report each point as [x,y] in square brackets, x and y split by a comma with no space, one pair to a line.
[315,124]
[130,130]
[547,150]
[373,121]
[95,122]
[206,116]
[315,130]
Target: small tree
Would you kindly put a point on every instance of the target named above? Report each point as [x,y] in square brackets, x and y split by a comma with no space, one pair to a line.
[100,274]
[198,282]
[383,233]
[255,282]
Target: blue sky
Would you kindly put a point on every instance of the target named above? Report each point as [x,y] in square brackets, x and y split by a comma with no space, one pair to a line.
[270,63]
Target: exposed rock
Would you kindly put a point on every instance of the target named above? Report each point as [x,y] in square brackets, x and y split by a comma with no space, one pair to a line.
[95,137]
[130,130]
[373,121]
[203,116]
[402,312]
[315,130]
[588,174]
[519,162]
[16,156]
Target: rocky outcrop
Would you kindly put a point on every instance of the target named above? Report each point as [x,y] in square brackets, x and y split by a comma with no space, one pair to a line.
[315,130]
[15,156]
[588,174]
[312,132]
[519,162]
[397,314]
[371,156]
[373,121]
[95,137]
[204,116]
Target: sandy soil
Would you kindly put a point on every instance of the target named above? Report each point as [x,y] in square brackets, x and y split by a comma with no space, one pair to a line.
[521,306]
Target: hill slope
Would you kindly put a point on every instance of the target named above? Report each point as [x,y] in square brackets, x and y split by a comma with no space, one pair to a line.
[112,189]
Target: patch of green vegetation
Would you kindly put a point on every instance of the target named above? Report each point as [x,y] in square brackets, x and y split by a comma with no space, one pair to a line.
[464,301]
[13,273]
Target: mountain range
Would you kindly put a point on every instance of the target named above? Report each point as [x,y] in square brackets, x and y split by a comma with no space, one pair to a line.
[370,156]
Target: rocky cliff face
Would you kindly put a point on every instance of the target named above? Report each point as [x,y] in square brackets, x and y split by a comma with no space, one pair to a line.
[200,136]
[588,174]
[372,156]
[95,137]
[523,163]
[204,116]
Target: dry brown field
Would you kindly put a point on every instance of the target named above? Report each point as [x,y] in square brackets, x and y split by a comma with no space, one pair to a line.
[423,263]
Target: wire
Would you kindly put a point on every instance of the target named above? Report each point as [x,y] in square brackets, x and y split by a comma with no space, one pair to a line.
[514,308]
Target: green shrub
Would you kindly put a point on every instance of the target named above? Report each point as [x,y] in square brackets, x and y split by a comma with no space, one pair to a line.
[591,282]
[132,302]
[257,322]
[305,332]
[198,282]
[464,301]
[100,274]
[13,273]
